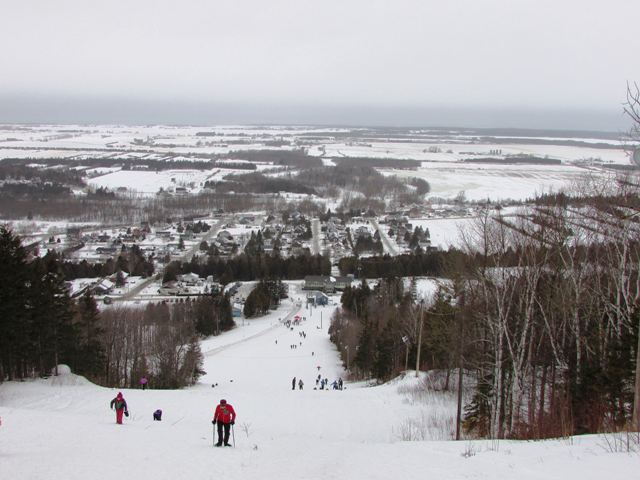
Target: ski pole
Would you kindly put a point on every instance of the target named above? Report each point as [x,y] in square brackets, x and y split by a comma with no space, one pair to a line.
[213,435]
[233,435]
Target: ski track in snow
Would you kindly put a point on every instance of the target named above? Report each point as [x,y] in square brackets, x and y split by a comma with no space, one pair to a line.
[62,428]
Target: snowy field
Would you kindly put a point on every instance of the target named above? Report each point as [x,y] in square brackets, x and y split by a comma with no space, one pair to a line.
[448,152]
[150,182]
[62,429]
[441,154]
[495,182]
[444,232]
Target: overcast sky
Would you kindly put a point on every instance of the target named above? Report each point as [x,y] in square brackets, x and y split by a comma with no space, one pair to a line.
[556,63]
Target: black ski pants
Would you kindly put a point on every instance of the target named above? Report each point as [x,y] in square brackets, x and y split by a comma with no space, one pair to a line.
[227,429]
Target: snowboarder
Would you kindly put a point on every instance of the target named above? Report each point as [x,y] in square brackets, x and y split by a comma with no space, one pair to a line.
[120,405]
[293,383]
[157,415]
[224,416]
[300,384]
[143,383]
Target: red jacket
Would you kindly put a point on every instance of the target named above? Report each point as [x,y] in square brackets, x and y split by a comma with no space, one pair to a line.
[225,414]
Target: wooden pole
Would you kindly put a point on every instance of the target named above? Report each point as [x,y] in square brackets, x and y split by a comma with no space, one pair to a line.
[419,338]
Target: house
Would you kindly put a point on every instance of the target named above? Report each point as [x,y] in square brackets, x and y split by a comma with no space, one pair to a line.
[225,236]
[103,287]
[190,279]
[317,298]
[77,289]
[362,232]
[169,289]
[325,283]
[315,282]
[343,282]
[106,250]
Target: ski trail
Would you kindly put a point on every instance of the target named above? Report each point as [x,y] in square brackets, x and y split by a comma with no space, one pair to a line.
[178,420]
[221,348]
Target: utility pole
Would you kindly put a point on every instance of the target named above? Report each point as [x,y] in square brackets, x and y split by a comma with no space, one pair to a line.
[461,366]
[320,319]
[406,355]
[419,337]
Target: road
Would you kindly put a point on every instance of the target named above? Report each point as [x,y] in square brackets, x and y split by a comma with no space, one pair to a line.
[315,242]
[391,250]
[213,231]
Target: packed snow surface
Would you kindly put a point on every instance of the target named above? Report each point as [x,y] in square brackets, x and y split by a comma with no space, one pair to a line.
[62,428]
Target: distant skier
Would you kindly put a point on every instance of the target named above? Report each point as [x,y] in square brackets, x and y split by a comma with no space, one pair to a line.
[224,416]
[300,384]
[340,383]
[293,383]
[120,405]
[157,415]
[143,383]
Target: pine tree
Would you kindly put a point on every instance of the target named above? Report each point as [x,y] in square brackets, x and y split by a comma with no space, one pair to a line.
[13,314]
[90,357]
[385,348]
[54,337]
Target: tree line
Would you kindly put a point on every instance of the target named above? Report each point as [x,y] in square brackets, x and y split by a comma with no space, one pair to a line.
[264,296]
[245,267]
[42,327]
[406,265]
[541,314]
[130,260]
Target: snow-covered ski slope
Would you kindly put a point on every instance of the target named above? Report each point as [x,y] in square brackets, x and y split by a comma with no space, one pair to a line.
[62,429]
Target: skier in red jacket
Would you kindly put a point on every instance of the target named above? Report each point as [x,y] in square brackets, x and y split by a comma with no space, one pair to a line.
[224,416]
[121,407]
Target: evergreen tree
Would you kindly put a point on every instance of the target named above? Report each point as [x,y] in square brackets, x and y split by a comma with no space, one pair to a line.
[385,348]
[90,355]
[13,314]
[50,316]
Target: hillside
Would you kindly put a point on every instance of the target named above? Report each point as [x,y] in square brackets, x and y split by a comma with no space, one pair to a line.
[62,428]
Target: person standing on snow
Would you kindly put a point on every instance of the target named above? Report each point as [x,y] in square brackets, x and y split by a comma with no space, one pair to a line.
[224,416]
[300,384]
[120,405]
[293,383]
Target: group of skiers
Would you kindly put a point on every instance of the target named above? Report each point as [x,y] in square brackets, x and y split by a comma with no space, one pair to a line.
[224,416]
[322,383]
